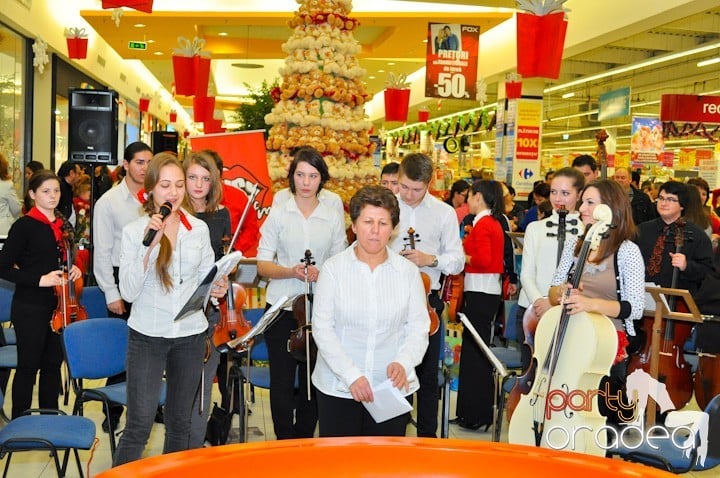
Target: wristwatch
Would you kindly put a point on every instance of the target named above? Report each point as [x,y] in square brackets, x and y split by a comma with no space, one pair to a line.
[434,263]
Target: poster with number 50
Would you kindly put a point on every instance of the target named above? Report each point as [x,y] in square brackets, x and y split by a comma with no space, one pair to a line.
[451,61]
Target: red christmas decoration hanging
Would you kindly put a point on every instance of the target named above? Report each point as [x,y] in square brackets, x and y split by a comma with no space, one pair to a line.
[541,40]
[77,43]
[139,5]
[144,104]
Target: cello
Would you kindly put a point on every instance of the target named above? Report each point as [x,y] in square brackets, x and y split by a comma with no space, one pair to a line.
[412,238]
[572,354]
[69,309]
[530,318]
[673,370]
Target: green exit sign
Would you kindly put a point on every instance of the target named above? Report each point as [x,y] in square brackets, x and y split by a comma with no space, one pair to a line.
[137,45]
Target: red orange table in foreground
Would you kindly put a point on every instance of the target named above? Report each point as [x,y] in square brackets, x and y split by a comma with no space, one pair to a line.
[380,457]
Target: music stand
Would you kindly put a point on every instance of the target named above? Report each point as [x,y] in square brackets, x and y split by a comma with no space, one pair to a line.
[247,273]
[662,312]
[499,370]
[267,319]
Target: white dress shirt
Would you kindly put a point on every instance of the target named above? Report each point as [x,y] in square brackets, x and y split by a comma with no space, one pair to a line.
[325,196]
[365,319]
[436,226]
[154,309]
[539,257]
[9,206]
[113,211]
[285,236]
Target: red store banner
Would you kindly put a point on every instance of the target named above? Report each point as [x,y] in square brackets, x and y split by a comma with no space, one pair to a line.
[452,60]
[690,108]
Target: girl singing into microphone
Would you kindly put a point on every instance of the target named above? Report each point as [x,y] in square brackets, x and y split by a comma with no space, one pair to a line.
[158,280]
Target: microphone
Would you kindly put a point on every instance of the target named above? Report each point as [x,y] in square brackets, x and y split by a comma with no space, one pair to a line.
[164,211]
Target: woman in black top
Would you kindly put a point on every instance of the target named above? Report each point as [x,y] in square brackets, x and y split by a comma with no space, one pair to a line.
[204,192]
[31,259]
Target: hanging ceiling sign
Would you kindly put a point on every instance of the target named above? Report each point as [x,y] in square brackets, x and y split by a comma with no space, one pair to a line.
[690,108]
[614,104]
[451,61]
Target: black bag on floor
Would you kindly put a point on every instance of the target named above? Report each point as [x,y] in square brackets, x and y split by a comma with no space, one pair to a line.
[218,427]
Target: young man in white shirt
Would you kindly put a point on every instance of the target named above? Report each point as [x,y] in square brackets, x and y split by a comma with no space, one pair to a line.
[438,250]
[116,208]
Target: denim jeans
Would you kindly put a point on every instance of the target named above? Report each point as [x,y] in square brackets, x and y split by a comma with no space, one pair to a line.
[181,360]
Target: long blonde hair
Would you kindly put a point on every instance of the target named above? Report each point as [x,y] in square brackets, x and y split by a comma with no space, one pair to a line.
[152,175]
[204,160]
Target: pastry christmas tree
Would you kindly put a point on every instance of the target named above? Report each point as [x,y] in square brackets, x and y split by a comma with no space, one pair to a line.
[320,101]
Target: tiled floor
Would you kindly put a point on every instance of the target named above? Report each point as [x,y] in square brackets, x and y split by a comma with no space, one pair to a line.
[39,464]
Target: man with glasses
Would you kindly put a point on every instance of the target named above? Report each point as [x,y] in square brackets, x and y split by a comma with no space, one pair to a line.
[659,239]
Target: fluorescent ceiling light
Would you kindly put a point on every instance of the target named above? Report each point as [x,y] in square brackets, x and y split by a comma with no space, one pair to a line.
[568,95]
[624,69]
[711,61]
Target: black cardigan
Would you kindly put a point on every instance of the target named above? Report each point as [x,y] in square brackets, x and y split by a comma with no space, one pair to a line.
[30,252]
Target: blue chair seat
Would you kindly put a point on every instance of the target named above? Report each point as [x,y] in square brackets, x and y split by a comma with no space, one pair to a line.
[63,431]
[260,377]
[10,336]
[510,357]
[118,393]
[8,356]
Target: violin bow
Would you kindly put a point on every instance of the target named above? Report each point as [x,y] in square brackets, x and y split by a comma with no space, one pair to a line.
[239,226]
[308,314]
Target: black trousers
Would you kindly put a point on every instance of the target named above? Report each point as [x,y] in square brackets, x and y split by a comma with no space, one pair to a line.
[343,417]
[427,372]
[476,389]
[39,349]
[294,416]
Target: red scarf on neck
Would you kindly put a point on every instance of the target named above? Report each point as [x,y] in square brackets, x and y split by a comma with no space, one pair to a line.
[55,225]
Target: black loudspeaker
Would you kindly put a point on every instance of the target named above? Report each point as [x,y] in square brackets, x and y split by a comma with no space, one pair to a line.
[165,141]
[93,126]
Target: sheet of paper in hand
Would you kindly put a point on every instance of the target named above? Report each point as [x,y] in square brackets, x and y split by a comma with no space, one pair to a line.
[199,299]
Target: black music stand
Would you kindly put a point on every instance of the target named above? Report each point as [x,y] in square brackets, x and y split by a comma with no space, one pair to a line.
[499,371]
[267,319]
[662,312]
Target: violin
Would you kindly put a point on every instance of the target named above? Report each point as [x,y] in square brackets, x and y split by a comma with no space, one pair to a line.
[68,294]
[453,292]
[412,238]
[673,370]
[232,323]
[298,345]
[572,354]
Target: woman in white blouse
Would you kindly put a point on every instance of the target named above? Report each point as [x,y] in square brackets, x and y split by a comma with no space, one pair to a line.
[540,248]
[159,279]
[301,223]
[370,322]
[9,203]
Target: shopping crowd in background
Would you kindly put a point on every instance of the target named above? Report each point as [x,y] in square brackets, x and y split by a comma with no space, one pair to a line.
[375,299]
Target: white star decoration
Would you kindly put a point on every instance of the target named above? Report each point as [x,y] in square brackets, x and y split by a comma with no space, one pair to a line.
[40,58]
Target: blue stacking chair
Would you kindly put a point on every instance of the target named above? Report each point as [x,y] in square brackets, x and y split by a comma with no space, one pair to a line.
[47,432]
[97,349]
[7,289]
[93,299]
[664,454]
